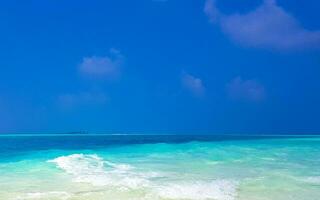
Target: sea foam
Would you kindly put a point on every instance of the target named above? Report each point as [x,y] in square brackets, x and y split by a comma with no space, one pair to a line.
[95,170]
[313,180]
[45,196]
[217,190]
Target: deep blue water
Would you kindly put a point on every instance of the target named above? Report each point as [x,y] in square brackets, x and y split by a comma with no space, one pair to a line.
[19,143]
[15,146]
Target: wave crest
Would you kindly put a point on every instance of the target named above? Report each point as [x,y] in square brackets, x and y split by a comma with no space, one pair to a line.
[98,172]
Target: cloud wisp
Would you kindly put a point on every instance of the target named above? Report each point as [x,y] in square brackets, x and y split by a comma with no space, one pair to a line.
[94,68]
[107,67]
[192,84]
[246,90]
[268,26]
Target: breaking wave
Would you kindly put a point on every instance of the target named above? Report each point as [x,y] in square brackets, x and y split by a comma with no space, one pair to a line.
[96,171]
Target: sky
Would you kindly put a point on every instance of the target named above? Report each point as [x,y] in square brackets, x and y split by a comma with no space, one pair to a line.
[160,66]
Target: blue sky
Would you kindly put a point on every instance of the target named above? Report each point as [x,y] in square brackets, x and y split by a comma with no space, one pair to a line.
[160,66]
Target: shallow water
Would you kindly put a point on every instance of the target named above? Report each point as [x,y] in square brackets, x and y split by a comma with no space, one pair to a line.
[116,168]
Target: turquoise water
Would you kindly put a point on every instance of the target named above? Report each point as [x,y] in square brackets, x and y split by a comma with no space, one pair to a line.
[107,168]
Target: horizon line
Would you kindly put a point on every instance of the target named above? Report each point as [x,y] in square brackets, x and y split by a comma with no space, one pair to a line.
[87,133]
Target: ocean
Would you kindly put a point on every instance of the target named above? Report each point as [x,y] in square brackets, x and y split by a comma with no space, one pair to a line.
[159,167]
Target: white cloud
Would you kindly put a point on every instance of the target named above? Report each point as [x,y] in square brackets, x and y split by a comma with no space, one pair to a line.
[107,67]
[268,26]
[248,90]
[211,11]
[72,100]
[192,84]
